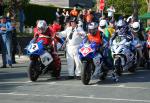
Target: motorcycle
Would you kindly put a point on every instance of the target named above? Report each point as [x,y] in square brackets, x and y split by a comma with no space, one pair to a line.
[88,54]
[148,49]
[41,60]
[124,58]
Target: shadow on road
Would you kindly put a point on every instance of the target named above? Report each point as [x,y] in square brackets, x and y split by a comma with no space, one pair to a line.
[141,75]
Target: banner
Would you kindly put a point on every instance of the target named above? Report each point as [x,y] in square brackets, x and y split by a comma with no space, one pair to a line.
[102,5]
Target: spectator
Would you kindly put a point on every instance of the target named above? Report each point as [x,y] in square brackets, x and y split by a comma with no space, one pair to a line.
[66,16]
[58,15]
[5,33]
[88,18]
[74,12]
[21,19]
[14,38]
[111,27]
[111,10]
[56,27]
[97,15]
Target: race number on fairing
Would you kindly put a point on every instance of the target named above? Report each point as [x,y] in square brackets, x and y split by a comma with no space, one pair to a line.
[33,47]
[86,50]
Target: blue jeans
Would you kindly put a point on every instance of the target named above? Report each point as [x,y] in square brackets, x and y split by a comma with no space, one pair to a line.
[21,27]
[6,48]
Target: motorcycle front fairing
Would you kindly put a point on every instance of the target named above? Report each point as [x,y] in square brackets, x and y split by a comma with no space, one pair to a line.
[35,48]
[87,50]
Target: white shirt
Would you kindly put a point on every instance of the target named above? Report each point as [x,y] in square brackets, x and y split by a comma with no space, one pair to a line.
[77,36]
[111,12]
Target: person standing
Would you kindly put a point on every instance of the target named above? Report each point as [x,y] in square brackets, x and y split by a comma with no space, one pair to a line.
[21,19]
[58,15]
[74,12]
[111,10]
[5,33]
[74,36]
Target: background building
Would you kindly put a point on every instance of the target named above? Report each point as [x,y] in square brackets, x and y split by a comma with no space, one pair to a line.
[65,3]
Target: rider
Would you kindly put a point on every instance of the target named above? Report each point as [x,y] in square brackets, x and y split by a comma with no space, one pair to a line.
[94,36]
[138,39]
[45,33]
[103,28]
[122,31]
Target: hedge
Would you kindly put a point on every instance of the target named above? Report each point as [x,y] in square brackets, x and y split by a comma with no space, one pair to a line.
[35,12]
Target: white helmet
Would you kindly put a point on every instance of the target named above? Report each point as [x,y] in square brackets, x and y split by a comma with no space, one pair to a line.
[135,26]
[42,26]
[102,23]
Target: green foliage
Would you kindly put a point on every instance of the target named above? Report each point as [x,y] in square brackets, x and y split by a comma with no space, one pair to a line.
[125,6]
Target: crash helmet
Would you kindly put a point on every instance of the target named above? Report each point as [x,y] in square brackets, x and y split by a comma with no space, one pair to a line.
[103,24]
[42,26]
[135,26]
[120,24]
[92,28]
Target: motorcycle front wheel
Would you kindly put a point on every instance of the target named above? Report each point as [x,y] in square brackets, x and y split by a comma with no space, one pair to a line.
[86,73]
[33,72]
[118,67]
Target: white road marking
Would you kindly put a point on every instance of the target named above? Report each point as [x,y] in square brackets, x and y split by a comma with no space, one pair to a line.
[18,82]
[122,85]
[77,97]
[77,85]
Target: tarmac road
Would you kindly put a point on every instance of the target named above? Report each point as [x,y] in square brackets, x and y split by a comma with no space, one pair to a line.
[15,87]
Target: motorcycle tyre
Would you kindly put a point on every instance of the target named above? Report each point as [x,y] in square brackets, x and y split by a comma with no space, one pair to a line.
[132,69]
[86,73]
[118,68]
[33,74]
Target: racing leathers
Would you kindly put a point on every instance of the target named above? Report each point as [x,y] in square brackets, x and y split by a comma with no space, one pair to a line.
[96,38]
[49,39]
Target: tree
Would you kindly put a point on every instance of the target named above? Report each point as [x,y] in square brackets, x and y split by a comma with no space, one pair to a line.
[12,6]
[125,6]
[148,5]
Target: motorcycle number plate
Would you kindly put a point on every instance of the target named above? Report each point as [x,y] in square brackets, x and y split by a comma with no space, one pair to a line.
[33,47]
[46,58]
[85,50]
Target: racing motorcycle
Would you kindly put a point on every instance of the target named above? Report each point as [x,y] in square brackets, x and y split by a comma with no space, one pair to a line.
[148,47]
[88,54]
[124,58]
[41,60]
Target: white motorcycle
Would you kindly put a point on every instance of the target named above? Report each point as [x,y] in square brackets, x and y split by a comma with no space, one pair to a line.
[124,58]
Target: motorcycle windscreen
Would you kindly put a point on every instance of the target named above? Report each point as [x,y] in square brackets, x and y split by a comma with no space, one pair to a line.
[46,58]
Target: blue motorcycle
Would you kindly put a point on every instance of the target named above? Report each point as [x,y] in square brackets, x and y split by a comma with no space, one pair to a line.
[41,60]
[87,54]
